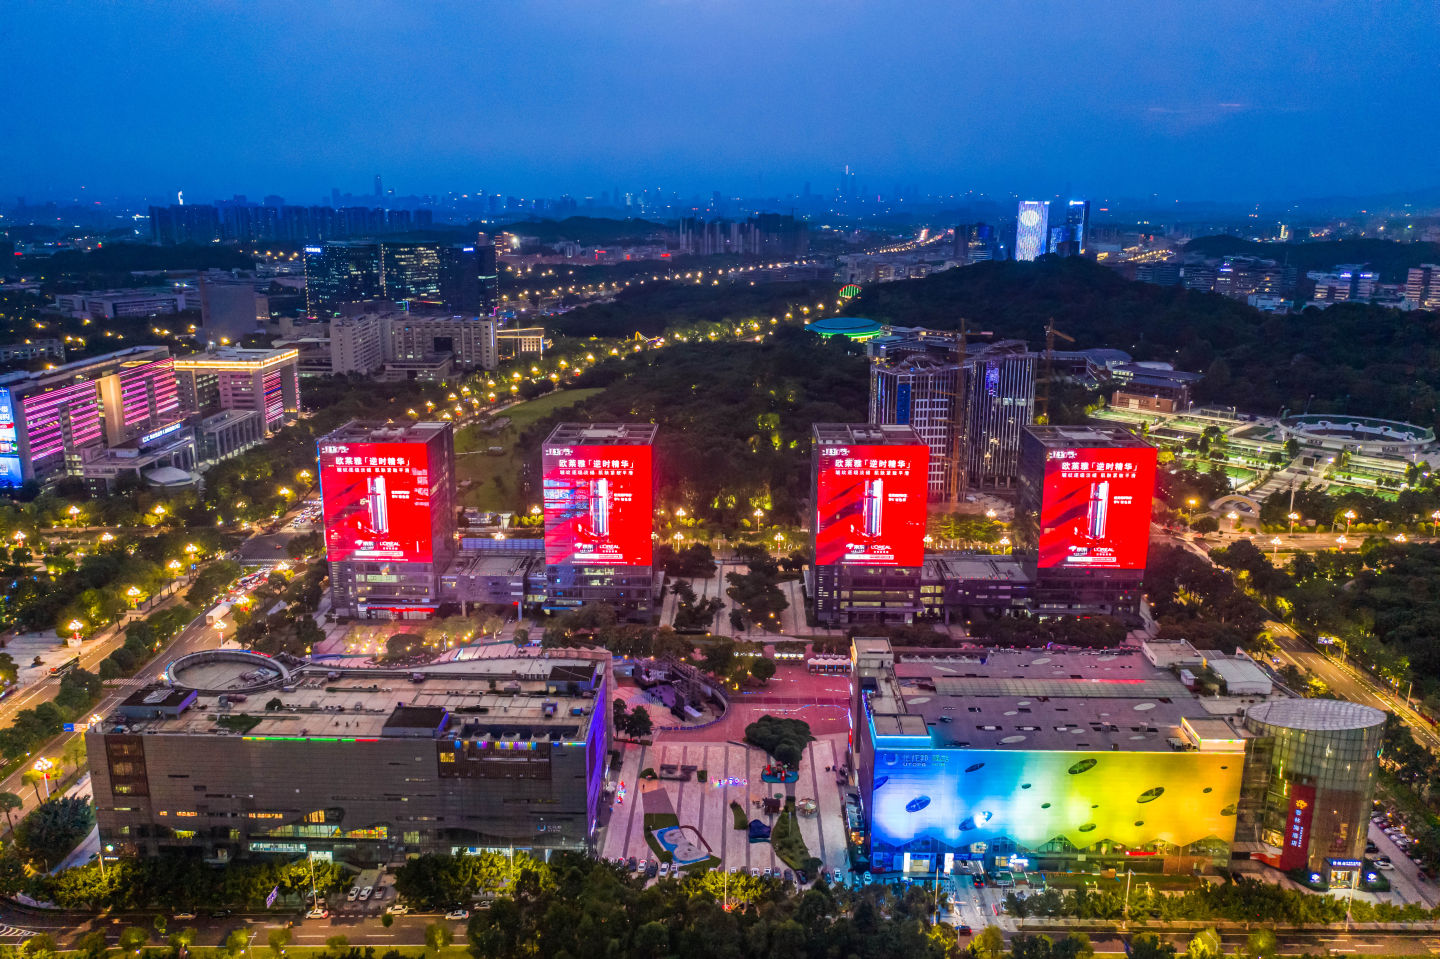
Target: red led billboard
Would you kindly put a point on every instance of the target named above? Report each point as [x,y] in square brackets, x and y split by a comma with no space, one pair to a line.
[870,505]
[1095,508]
[376,501]
[598,505]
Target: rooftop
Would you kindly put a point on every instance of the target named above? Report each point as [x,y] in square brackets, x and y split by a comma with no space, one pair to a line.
[370,431]
[1315,714]
[236,358]
[603,434]
[1063,437]
[1041,699]
[512,698]
[865,434]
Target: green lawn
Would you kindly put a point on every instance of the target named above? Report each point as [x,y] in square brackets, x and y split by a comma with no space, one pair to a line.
[474,464]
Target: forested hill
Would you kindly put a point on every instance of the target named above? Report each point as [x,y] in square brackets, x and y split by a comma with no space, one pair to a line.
[1351,358]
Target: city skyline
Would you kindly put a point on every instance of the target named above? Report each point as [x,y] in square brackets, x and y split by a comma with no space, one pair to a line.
[1037,99]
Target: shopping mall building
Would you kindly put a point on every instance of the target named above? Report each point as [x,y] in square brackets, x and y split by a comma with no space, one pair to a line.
[1068,760]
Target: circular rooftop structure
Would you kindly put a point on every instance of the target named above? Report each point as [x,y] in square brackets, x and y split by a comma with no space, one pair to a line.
[1364,432]
[851,327]
[227,671]
[1315,715]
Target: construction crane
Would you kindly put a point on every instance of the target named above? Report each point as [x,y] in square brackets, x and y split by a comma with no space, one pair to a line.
[959,478]
[1042,415]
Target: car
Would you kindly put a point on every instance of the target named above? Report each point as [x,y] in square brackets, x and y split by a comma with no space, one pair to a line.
[397,909]
[183,915]
[632,864]
[458,914]
[755,872]
[484,903]
[789,876]
[962,930]
[1371,847]
[1384,864]
[318,912]
[220,913]
[767,872]
[802,877]
[366,893]
[664,869]
[353,894]
[652,869]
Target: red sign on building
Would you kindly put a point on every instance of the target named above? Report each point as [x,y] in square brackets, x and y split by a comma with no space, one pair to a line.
[1095,508]
[376,501]
[1295,854]
[870,505]
[598,505]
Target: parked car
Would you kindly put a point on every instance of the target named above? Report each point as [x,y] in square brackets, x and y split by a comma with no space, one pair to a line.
[789,876]
[366,893]
[664,869]
[353,894]
[802,877]
[755,872]
[652,869]
[397,909]
[458,914]
[962,930]
[319,912]
[183,915]
[632,864]
[1384,864]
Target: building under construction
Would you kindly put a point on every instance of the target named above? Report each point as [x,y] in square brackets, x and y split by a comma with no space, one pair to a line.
[919,378]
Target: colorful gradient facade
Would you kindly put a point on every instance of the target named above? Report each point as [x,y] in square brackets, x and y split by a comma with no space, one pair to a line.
[377,501]
[870,505]
[599,505]
[64,419]
[970,802]
[1095,509]
[12,471]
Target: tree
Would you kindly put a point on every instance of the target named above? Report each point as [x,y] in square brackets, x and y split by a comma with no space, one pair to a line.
[235,943]
[10,802]
[437,936]
[1206,524]
[1205,945]
[989,944]
[278,939]
[92,945]
[40,944]
[639,724]
[1261,944]
[1147,945]
[337,943]
[133,939]
[74,753]
[32,777]
[762,668]
[54,828]
[783,739]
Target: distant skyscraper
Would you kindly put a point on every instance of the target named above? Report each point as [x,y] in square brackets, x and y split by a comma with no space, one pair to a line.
[378,190]
[1077,222]
[1032,229]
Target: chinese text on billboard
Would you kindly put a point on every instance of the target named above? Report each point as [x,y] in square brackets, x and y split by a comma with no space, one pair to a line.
[376,501]
[870,503]
[598,505]
[1095,511]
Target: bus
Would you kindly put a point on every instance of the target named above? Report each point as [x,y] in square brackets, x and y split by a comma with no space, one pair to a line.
[72,663]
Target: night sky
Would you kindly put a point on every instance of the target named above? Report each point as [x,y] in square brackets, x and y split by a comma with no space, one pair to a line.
[1212,100]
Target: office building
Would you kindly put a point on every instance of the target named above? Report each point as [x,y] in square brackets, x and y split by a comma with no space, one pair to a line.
[1422,286]
[138,398]
[1153,387]
[41,349]
[354,765]
[469,340]
[51,420]
[598,499]
[125,304]
[230,310]
[1076,241]
[915,381]
[868,495]
[1032,230]
[1310,781]
[358,343]
[1082,523]
[461,278]
[388,499]
[232,378]
[518,341]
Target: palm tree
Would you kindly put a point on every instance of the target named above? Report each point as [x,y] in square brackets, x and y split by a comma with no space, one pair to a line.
[10,802]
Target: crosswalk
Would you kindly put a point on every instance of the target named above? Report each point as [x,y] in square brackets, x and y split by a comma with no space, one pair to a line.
[15,932]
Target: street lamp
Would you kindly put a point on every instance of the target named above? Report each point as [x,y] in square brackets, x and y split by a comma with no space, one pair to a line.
[43,767]
[1234,519]
[1276,544]
[74,511]
[19,537]
[134,593]
[1192,502]
[75,627]
[1400,538]
[160,510]
[1349,518]
[1340,542]
[1293,517]
[107,537]
[1435,523]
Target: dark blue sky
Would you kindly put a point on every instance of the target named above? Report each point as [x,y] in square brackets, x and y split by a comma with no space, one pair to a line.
[1198,100]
